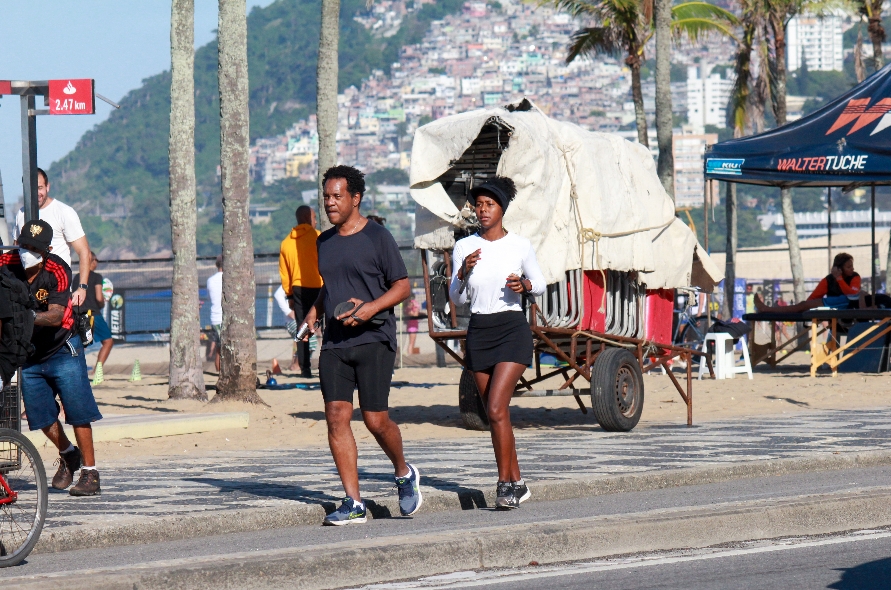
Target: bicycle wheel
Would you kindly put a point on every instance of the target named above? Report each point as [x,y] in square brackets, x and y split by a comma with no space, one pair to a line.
[23,497]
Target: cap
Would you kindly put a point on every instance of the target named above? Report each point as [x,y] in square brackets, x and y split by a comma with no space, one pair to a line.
[36,233]
[498,190]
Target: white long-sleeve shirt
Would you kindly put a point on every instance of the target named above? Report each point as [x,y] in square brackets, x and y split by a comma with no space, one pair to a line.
[487,287]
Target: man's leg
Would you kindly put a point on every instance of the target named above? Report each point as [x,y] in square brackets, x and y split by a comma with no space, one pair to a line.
[343,446]
[107,344]
[388,436]
[57,436]
[84,436]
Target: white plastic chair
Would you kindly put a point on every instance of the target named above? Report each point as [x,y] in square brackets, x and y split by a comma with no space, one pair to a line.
[725,362]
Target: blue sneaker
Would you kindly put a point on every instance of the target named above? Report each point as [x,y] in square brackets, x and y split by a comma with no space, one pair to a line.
[349,512]
[409,487]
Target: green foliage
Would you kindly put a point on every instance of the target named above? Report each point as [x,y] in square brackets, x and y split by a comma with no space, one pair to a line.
[750,234]
[826,85]
[391,176]
[597,113]
[123,161]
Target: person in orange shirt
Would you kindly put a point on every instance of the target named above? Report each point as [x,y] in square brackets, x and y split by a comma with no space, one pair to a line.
[298,265]
[835,291]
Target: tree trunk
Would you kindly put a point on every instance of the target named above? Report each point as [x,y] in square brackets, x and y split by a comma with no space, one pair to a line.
[326,95]
[186,364]
[859,70]
[238,346]
[730,258]
[665,166]
[794,248]
[876,33]
[786,194]
[637,94]
[779,43]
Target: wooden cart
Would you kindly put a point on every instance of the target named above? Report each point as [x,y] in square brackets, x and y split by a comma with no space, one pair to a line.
[612,362]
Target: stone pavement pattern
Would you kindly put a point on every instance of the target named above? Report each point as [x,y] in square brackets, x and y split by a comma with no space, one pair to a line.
[253,479]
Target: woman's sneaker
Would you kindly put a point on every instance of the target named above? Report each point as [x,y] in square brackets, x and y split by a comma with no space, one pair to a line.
[350,512]
[521,491]
[409,487]
[505,498]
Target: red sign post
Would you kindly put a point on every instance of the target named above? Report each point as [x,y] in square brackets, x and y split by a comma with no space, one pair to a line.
[71,97]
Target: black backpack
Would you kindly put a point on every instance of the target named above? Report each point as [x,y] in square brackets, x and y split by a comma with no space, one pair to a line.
[15,340]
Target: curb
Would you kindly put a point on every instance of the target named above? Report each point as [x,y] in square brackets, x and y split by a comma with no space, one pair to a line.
[382,559]
[218,522]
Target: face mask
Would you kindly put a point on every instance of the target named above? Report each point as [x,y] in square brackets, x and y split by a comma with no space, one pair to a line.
[29,258]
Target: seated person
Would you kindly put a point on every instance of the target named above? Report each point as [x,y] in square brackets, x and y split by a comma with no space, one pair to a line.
[834,291]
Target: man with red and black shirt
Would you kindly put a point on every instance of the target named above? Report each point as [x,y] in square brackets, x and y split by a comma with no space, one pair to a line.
[56,367]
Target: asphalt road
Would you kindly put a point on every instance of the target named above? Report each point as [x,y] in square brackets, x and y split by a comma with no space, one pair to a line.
[690,496]
[854,562]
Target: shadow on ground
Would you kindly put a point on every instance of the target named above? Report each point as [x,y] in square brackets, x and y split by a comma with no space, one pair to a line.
[448,415]
[872,575]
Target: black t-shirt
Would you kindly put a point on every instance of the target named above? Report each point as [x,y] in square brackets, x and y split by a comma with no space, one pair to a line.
[364,265]
[51,286]
[90,301]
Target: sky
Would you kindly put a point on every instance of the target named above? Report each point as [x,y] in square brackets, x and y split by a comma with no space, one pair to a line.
[118,43]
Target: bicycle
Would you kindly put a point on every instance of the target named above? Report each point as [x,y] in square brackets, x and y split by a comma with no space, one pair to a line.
[689,330]
[23,488]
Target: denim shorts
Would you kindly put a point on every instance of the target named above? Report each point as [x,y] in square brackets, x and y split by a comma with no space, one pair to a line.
[63,375]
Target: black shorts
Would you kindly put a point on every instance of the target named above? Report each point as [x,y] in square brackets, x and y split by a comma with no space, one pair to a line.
[498,338]
[368,366]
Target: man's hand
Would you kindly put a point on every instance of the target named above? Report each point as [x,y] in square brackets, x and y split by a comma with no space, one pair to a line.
[311,319]
[367,312]
[78,297]
[291,315]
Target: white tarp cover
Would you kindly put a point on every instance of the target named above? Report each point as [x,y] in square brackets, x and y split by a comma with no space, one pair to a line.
[580,195]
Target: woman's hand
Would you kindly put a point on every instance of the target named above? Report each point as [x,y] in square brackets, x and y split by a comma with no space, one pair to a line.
[469,262]
[518,285]
[836,272]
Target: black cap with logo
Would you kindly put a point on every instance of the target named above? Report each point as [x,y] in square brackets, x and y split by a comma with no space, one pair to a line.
[36,233]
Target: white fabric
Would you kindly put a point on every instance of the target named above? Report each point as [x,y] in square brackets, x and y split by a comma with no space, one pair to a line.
[282,300]
[215,292]
[486,286]
[584,200]
[65,223]
[29,259]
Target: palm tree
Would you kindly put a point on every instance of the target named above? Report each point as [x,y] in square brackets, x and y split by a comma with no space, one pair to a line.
[238,347]
[627,25]
[872,11]
[186,367]
[751,91]
[665,164]
[326,95]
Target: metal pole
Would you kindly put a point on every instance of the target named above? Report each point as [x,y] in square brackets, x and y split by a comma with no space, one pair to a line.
[829,224]
[705,206]
[873,251]
[4,230]
[29,158]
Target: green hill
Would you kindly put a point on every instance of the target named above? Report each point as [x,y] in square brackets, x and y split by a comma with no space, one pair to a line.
[117,175]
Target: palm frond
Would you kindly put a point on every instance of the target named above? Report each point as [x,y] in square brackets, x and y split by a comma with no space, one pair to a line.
[591,40]
[695,28]
[703,10]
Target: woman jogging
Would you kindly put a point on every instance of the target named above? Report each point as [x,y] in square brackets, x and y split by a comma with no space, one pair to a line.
[494,269]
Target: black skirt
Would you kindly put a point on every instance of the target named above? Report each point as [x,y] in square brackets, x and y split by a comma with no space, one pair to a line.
[494,338]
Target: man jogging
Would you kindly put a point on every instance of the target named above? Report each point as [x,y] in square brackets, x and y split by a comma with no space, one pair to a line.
[365,278]
[56,368]
[298,265]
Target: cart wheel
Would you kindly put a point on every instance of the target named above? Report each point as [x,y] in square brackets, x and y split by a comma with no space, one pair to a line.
[473,413]
[617,392]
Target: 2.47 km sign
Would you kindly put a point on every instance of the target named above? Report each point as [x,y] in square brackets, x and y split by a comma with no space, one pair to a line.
[71,97]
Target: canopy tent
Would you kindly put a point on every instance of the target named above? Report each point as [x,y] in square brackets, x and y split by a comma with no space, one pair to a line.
[585,200]
[846,144]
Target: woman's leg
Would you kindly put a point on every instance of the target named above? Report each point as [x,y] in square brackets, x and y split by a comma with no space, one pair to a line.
[796,308]
[499,389]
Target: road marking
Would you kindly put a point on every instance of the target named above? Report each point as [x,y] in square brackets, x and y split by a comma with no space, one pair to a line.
[468,579]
